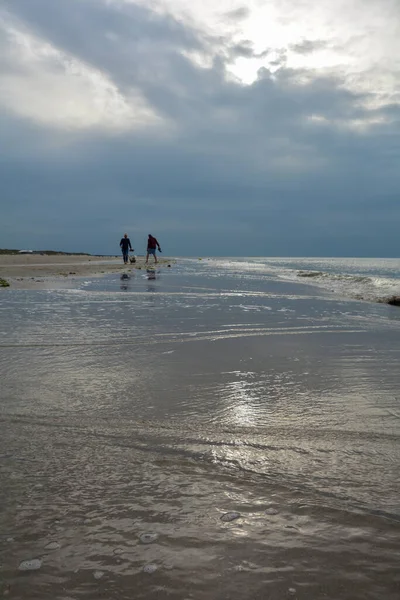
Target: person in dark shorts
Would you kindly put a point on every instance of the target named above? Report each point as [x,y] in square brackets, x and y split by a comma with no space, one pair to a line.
[125,244]
[152,245]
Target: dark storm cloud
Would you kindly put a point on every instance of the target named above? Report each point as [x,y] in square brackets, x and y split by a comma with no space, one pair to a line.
[308,46]
[276,167]
[238,14]
[245,49]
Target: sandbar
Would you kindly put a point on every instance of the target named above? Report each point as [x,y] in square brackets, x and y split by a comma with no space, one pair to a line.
[36,271]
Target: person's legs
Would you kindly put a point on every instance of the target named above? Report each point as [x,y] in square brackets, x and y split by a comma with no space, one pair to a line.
[151,251]
[155,258]
[125,256]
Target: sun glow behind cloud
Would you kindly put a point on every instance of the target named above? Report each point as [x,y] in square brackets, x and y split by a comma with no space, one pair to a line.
[358,40]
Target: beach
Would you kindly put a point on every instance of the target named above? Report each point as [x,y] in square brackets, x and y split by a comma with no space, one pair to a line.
[36,271]
[220,429]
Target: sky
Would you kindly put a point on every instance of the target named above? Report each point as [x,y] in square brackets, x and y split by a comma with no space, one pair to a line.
[230,128]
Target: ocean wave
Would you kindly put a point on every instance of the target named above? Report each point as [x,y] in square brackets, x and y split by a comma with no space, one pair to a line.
[310,274]
[335,276]
[357,286]
[373,280]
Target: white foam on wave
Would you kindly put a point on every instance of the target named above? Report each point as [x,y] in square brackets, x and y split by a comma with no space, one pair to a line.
[366,279]
[354,286]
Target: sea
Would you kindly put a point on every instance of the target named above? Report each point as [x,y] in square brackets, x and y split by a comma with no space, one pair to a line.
[220,428]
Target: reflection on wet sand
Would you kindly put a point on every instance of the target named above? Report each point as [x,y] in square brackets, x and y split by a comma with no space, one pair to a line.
[151,274]
[208,448]
[125,278]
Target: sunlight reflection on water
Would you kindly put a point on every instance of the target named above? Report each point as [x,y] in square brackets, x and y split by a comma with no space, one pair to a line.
[154,412]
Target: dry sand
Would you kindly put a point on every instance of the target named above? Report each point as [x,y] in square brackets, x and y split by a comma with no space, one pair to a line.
[25,271]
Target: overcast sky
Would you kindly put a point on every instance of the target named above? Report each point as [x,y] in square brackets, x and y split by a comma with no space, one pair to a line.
[224,128]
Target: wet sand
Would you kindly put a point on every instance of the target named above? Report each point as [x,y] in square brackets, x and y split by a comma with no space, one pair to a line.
[28,272]
[139,415]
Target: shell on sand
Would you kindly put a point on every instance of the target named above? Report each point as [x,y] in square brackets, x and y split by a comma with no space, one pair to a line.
[52,546]
[271,511]
[98,574]
[30,565]
[230,516]
[148,538]
[151,568]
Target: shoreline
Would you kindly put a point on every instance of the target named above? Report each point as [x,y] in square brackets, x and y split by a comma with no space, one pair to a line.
[30,272]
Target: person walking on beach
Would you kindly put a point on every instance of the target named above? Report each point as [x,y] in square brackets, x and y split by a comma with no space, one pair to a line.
[125,244]
[152,245]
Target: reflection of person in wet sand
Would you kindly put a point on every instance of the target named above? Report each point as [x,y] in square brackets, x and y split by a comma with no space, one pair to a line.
[151,274]
[151,277]
[152,245]
[124,281]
